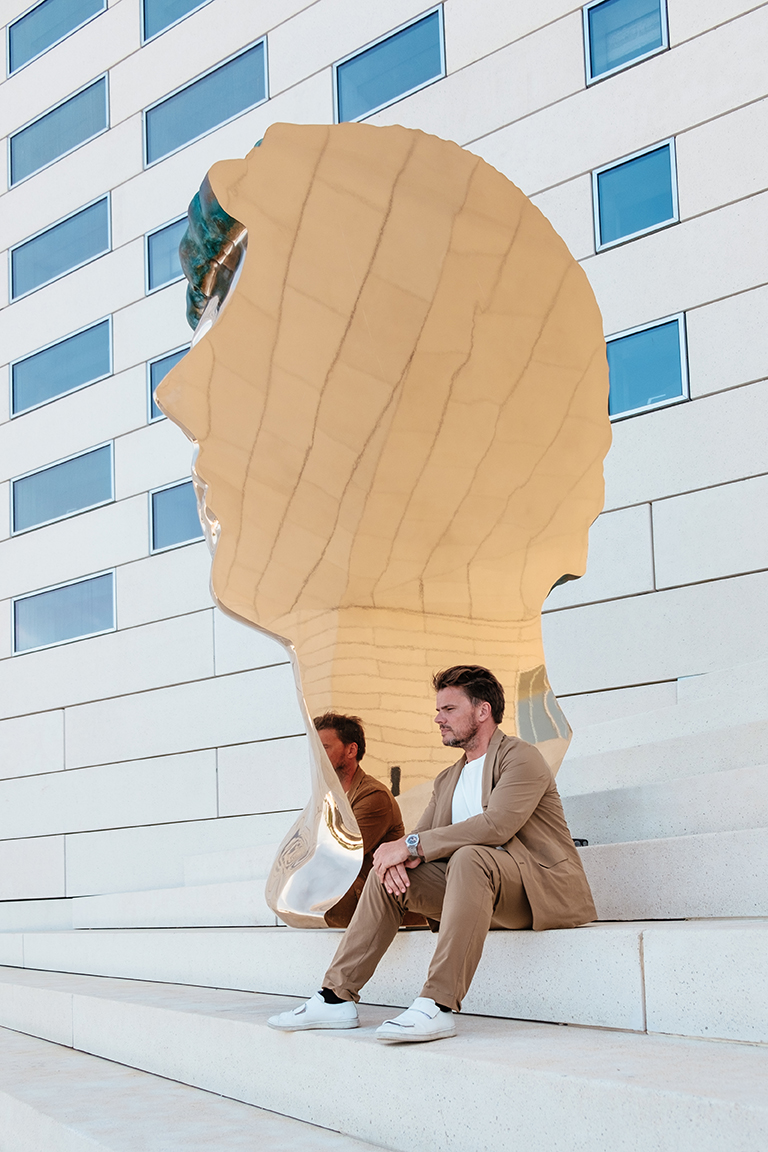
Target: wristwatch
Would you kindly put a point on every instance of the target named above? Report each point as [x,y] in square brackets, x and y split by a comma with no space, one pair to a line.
[412,844]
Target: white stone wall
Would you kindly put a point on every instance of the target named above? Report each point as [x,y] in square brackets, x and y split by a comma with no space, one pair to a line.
[178,734]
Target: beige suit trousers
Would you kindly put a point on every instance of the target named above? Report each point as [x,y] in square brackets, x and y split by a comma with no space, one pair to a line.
[476,889]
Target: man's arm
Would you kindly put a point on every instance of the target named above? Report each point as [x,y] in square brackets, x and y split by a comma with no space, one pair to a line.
[523,781]
[375,816]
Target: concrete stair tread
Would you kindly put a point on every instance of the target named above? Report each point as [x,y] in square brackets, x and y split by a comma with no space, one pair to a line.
[52,1097]
[232,903]
[704,978]
[559,1086]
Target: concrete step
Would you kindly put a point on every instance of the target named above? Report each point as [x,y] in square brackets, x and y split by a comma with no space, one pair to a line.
[56,1099]
[217,905]
[688,805]
[696,978]
[236,864]
[497,1083]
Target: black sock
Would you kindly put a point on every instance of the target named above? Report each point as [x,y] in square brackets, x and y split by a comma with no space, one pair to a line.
[330,997]
[442,1007]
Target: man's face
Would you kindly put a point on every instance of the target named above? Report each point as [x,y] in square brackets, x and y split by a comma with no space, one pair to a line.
[340,755]
[457,717]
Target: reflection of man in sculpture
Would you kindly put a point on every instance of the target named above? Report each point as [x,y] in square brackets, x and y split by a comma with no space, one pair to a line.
[491,850]
[375,808]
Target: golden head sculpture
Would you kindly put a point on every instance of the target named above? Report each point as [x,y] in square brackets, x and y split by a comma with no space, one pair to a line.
[401,417]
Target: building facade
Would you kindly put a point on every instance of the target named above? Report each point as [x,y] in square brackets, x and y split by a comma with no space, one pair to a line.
[145,738]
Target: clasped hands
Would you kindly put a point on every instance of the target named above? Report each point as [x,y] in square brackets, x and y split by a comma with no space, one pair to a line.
[391,862]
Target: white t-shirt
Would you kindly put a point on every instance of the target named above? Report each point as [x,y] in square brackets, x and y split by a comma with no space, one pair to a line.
[467,796]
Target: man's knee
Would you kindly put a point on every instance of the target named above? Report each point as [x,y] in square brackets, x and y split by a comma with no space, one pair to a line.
[468,862]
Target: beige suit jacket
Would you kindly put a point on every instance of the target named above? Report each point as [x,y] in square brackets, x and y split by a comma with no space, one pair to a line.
[523,814]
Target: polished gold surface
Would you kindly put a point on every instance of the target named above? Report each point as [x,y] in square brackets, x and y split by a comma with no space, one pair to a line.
[401,416]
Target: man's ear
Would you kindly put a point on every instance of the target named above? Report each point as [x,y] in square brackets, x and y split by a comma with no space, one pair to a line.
[485,709]
[354,746]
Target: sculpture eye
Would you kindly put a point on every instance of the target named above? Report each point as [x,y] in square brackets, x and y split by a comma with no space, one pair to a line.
[211,250]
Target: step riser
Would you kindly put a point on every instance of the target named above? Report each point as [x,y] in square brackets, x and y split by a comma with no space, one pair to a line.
[712,802]
[471,1102]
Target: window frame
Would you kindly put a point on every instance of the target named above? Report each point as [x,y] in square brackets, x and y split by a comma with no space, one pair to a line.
[147,236]
[663,47]
[156,360]
[16,183]
[188,84]
[380,40]
[49,228]
[669,142]
[53,588]
[53,464]
[684,377]
[52,344]
[12,72]
[148,39]
[179,543]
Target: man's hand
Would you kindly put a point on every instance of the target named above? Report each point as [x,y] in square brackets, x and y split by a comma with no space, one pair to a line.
[391,862]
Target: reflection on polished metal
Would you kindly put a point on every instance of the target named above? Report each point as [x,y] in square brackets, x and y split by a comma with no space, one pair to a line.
[401,416]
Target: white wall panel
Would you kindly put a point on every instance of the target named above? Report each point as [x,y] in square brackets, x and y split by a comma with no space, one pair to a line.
[259,705]
[137,859]
[66,185]
[598,707]
[620,561]
[238,646]
[568,207]
[726,342]
[93,291]
[515,81]
[73,423]
[30,744]
[5,509]
[475,30]
[717,532]
[269,776]
[324,33]
[633,109]
[709,441]
[32,869]
[170,788]
[151,456]
[70,64]
[627,281]
[193,46]
[150,326]
[134,660]
[84,543]
[689,18]
[740,169]
[660,636]
[167,584]
[5,629]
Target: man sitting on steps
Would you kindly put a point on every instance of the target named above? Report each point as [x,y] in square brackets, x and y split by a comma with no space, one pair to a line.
[492,849]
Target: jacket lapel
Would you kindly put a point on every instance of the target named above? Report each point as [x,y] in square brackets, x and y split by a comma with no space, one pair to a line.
[491,757]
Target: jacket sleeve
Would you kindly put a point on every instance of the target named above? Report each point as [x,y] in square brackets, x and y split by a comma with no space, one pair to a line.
[375,816]
[523,780]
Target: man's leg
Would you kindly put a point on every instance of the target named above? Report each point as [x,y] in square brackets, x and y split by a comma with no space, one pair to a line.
[483,886]
[375,923]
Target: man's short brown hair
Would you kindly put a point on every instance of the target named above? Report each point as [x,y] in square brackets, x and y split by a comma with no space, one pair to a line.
[349,729]
[478,683]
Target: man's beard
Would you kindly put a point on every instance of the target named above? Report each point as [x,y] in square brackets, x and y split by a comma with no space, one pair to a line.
[462,740]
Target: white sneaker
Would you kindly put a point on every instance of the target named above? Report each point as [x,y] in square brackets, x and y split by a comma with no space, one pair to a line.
[315,1013]
[422,1021]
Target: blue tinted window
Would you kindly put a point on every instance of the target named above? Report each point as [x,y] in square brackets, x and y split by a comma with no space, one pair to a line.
[635,196]
[407,60]
[69,364]
[646,368]
[174,516]
[159,14]
[157,372]
[59,131]
[45,25]
[60,249]
[64,613]
[163,264]
[206,103]
[619,31]
[62,489]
